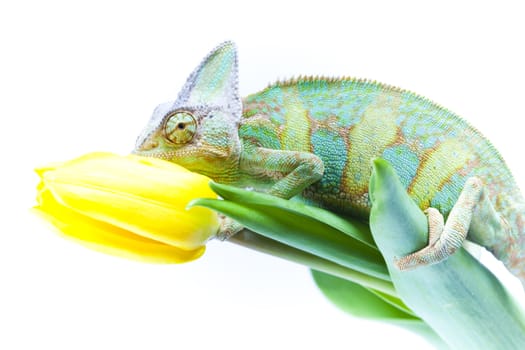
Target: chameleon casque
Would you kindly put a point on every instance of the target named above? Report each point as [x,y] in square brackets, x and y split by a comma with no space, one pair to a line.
[315,137]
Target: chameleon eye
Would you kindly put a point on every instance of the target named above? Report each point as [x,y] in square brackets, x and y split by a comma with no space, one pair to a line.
[180,127]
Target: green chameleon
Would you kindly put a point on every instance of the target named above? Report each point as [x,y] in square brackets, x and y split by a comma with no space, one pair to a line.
[315,137]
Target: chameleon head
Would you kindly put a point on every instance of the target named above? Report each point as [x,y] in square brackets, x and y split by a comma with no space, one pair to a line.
[200,129]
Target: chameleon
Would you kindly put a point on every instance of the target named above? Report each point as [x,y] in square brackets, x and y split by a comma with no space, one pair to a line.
[314,138]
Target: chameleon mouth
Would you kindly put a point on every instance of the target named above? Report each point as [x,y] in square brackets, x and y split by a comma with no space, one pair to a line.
[153,154]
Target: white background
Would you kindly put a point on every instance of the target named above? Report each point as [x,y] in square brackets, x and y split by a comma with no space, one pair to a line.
[76,78]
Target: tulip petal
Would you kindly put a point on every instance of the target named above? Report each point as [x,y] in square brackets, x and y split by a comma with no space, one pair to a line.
[146,196]
[107,238]
[128,206]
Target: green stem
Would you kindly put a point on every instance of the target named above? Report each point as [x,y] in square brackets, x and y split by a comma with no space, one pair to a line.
[252,240]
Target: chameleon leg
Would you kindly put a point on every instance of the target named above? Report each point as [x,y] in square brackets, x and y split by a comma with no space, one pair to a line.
[300,170]
[436,225]
[227,227]
[445,240]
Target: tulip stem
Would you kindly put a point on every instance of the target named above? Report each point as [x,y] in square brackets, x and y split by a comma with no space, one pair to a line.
[252,240]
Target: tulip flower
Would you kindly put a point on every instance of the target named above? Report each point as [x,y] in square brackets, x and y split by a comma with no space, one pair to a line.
[129,206]
[137,207]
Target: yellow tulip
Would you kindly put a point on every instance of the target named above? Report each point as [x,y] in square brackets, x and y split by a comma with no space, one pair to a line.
[128,206]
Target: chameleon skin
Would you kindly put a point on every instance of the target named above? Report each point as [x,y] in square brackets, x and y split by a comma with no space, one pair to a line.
[315,137]
[347,122]
[432,150]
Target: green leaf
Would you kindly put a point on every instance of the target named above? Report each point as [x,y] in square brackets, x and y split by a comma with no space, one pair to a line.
[459,298]
[304,233]
[353,228]
[252,240]
[358,300]
[363,302]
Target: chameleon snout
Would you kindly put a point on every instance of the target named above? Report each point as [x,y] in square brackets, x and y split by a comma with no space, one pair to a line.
[147,145]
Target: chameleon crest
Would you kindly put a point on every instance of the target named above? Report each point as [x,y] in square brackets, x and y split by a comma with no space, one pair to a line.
[199,129]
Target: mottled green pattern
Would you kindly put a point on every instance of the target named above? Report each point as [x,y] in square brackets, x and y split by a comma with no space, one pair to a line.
[316,138]
[349,122]
[421,130]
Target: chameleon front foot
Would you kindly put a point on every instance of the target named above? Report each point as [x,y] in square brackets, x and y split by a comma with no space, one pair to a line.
[445,239]
[227,228]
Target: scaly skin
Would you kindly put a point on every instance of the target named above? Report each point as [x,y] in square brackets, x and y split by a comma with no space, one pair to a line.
[315,137]
[432,150]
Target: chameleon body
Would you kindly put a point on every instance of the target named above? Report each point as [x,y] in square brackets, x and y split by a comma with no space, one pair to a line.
[315,137]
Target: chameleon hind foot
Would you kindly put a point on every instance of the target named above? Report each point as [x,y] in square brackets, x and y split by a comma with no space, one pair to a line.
[445,238]
[227,228]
